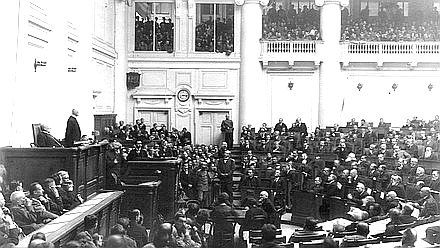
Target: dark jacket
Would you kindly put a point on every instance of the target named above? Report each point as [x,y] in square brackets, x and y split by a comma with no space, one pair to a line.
[73,131]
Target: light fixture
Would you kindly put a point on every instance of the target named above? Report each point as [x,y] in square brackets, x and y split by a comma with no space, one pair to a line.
[430,86]
[39,63]
[359,86]
[290,85]
[394,86]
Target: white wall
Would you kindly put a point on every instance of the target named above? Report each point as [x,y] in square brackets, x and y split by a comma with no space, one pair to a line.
[64,34]
[377,98]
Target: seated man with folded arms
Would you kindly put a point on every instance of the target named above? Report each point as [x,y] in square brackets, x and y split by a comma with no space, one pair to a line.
[24,213]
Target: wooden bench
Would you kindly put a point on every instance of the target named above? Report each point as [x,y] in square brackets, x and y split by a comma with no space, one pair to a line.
[64,228]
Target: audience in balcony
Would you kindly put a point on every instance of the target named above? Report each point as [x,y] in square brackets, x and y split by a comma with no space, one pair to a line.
[162,36]
[291,25]
[221,42]
[389,25]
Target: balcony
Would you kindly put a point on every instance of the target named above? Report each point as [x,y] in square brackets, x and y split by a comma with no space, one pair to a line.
[357,52]
[289,51]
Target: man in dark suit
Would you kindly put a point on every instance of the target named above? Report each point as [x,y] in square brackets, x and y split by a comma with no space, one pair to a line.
[227,128]
[225,168]
[280,126]
[73,131]
[45,139]
[434,184]
[427,205]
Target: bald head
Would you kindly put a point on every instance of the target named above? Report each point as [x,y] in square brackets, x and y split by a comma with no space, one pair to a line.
[75,112]
[391,195]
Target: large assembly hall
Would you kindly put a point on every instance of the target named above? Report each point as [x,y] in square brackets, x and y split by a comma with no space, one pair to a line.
[220,123]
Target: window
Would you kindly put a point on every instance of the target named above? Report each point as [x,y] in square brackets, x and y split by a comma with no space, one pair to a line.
[215,28]
[154,27]
[369,9]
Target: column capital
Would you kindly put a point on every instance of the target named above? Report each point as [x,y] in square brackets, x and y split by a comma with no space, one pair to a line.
[343,3]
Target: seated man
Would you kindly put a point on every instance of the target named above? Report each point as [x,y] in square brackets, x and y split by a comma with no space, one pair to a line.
[434,183]
[51,191]
[359,194]
[406,216]
[135,229]
[69,198]
[250,222]
[269,233]
[9,230]
[138,152]
[42,204]
[428,205]
[45,139]
[267,205]
[391,201]
[409,238]
[222,228]
[24,214]
[362,231]
[90,235]
[185,235]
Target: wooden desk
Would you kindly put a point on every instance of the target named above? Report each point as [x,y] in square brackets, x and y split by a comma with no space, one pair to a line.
[85,164]
[147,171]
[64,228]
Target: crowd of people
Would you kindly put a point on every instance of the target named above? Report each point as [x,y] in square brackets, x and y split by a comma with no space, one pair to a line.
[25,210]
[378,171]
[221,42]
[385,30]
[291,25]
[154,35]
[389,25]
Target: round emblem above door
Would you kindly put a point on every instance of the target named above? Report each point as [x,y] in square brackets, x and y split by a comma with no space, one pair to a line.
[183,95]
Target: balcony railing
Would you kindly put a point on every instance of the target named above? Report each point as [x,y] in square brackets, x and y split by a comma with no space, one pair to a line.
[351,51]
[288,47]
[394,48]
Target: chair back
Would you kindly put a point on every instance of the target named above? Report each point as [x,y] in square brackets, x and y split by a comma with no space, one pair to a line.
[361,242]
[306,236]
[36,129]
[312,244]
[391,239]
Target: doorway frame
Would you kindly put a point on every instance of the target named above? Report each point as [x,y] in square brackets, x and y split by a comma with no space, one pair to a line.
[196,119]
[168,110]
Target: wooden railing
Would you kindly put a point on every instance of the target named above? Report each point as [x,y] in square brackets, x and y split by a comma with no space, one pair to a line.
[104,205]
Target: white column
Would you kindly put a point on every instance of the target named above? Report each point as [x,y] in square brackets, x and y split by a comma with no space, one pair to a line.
[330,80]
[252,84]
[121,41]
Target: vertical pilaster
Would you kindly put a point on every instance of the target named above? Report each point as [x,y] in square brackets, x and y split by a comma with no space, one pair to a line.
[252,84]
[121,41]
[330,79]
